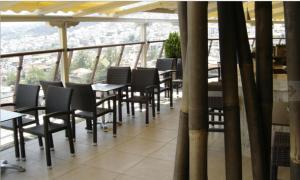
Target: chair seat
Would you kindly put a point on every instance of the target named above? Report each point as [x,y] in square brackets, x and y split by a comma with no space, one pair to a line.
[162,89]
[175,81]
[9,124]
[142,99]
[39,129]
[86,114]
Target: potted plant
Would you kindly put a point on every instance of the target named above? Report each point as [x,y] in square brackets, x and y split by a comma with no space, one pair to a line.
[172,46]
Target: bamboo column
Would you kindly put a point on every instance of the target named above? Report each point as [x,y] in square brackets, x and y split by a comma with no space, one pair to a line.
[292,26]
[197,73]
[250,96]
[233,155]
[181,170]
[264,73]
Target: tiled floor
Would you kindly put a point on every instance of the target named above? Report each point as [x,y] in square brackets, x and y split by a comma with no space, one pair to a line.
[137,153]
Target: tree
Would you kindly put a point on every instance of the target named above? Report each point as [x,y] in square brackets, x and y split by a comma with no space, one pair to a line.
[11,78]
[82,60]
[34,75]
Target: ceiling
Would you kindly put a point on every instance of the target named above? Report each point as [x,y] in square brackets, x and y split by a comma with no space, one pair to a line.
[115,9]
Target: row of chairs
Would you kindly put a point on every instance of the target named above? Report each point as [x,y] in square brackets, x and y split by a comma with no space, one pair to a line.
[78,100]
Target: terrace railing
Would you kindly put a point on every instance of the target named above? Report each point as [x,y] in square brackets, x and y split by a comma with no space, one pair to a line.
[143,49]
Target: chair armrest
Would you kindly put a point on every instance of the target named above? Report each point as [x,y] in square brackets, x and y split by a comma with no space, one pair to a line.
[169,79]
[107,98]
[7,104]
[150,88]
[28,109]
[56,114]
[168,72]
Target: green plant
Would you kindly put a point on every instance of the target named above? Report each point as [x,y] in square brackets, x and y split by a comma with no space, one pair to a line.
[172,46]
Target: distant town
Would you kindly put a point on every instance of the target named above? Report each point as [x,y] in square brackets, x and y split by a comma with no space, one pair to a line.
[24,37]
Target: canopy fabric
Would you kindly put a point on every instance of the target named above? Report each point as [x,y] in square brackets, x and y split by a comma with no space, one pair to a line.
[113,8]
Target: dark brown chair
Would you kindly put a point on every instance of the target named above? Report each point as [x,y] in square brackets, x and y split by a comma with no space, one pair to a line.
[26,98]
[143,83]
[215,107]
[164,64]
[178,82]
[58,102]
[46,84]
[120,75]
[84,105]
[159,89]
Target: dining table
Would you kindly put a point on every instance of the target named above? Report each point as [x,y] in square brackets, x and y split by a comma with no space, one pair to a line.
[6,115]
[104,87]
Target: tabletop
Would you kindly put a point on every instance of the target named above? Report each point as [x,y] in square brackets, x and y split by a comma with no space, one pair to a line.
[8,115]
[106,87]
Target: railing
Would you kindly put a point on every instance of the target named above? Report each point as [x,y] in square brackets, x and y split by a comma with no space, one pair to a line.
[144,46]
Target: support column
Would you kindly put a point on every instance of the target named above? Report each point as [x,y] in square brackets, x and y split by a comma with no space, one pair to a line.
[181,169]
[292,26]
[198,100]
[253,112]
[232,133]
[64,45]
[264,73]
[144,39]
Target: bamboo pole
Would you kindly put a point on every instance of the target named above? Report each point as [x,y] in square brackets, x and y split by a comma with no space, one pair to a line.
[181,170]
[292,22]
[264,73]
[232,133]
[198,100]
[250,96]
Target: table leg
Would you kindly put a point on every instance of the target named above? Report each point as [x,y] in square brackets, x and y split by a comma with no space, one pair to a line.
[120,105]
[16,138]
[22,143]
[4,165]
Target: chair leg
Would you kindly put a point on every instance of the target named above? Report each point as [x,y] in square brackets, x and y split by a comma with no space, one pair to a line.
[158,102]
[39,137]
[132,108]
[171,97]
[147,113]
[153,106]
[47,144]
[74,127]
[141,105]
[127,103]
[51,142]
[69,130]
[95,130]
[115,119]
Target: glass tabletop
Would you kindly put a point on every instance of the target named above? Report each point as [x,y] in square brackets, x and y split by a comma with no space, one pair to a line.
[8,115]
[106,87]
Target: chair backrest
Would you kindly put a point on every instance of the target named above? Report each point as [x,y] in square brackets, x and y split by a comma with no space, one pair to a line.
[143,77]
[118,75]
[179,69]
[46,84]
[166,64]
[84,98]
[58,99]
[27,96]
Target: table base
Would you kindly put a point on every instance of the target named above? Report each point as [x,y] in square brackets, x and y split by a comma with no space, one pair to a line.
[4,165]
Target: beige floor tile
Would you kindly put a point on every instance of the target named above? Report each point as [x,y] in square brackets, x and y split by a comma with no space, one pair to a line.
[150,169]
[126,177]
[139,146]
[116,161]
[167,152]
[160,135]
[89,173]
